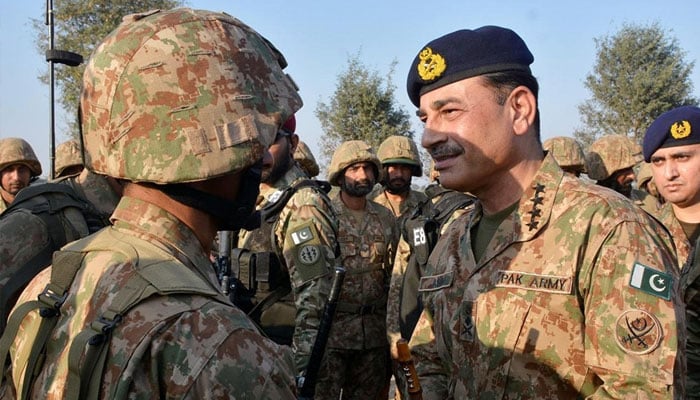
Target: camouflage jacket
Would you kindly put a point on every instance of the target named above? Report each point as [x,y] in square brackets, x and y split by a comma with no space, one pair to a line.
[210,351]
[367,250]
[576,295]
[414,198]
[305,239]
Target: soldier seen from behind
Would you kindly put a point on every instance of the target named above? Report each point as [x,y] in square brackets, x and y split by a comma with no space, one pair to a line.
[295,249]
[357,355]
[400,163]
[18,168]
[672,146]
[180,105]
[550,287]
[568,153]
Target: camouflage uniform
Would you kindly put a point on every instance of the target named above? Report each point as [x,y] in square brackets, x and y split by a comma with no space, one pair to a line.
[551,310]
[357,354]
[17,151]
[414,198]
[211,95]
[307,261]
[24,234]
[610,154]
[567,152]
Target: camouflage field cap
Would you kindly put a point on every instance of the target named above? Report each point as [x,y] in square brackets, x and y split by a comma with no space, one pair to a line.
[566,151]
[400,150]
[68,155]
[611,153]
[18,151]
[348,153]
[306,159]
[181,96]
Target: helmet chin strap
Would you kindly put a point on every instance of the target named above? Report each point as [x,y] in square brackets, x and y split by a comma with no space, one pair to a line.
[230,215]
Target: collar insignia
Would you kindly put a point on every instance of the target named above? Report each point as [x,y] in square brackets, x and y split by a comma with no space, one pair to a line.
[430,65]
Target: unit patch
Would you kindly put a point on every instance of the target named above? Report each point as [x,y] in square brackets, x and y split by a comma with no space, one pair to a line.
[309,254]
[531,281]
[303,235]
[651,281]
[638,332]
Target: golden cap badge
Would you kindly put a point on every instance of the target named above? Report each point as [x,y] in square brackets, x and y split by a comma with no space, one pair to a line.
[680,130]
[431,65]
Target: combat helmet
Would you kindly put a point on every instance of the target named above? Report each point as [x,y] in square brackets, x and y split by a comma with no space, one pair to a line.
[348,153]
[306,159]
[609,154]
[398,149]
[68,155]
[18,151]
[182,96]
[643,174]
[567,152]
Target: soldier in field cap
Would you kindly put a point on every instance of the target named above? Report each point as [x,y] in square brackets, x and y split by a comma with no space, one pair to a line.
[550,287]
[672,146]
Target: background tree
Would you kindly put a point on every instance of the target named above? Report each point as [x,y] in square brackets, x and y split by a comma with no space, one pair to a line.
[363,107]
[639,74]
[79,25]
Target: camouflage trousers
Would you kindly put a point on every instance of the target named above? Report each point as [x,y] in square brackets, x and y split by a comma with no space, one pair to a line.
[360,374]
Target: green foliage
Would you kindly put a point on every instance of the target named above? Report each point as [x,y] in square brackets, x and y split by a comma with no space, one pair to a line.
[79,25]
[639,74]
[363,107]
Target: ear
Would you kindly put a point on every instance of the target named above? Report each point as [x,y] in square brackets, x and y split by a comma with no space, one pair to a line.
[293,143]
[523,107]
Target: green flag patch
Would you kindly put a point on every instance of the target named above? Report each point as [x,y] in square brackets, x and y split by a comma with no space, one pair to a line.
[651,281]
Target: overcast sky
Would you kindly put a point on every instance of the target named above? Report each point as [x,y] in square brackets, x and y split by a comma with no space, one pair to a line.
[318,37]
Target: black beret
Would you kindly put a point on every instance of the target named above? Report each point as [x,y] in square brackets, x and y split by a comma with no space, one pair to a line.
[466,53]
[677,127]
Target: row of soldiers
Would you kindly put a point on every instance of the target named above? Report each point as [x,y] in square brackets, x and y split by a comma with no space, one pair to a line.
[540,286]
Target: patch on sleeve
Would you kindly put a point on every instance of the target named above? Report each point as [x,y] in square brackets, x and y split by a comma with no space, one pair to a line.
[309,254]
[302,235]
[436,282]
[638,332]
[651,281]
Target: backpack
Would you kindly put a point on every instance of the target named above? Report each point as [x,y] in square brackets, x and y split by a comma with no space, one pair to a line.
[421,230]
[48,202]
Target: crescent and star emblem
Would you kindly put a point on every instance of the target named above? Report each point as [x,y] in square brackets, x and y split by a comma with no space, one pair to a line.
[654,282]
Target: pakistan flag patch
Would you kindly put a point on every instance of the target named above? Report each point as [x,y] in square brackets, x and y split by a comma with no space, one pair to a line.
[651,281]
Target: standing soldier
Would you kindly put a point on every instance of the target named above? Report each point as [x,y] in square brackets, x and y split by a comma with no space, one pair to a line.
[180,105]
[301,240]
[306,160]
[550,287]
[646,194]
[18,168]
[672,146]
[400,162]
[357,355]
[611,160]
[567,152]
[69,159]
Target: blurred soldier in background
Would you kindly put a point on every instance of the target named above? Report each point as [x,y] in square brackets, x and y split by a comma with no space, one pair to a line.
[357,355]
[295,249]
[646,195]
[69,159]
[180,105]
[672,146]
[18,168]
[610,162]
[568,153]
[400,162]
[306,159]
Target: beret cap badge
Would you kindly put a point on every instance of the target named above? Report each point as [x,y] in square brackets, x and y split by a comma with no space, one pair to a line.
[431,65]
[680,130]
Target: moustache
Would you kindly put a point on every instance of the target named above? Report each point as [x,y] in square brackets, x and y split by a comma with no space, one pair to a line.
[445,150]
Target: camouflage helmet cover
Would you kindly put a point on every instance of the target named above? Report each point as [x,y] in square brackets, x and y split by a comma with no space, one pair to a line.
[68,155]
[181,96]
[566,151]
[18,151]
[644,174]
[306,159]
[398,149]
[611,153]
[348,153]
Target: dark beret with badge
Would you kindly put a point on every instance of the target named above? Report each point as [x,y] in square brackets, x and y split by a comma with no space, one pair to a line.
[677,127]
[464,54]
